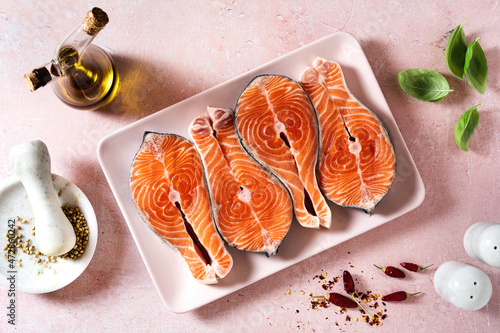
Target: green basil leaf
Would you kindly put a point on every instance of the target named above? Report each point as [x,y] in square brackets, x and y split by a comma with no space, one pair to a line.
[476,67]
[424,84]
[465,127]
[455,52]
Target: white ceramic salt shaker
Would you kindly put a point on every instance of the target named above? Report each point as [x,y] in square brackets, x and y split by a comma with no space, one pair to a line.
[482,242]
[465,286]
[54,233]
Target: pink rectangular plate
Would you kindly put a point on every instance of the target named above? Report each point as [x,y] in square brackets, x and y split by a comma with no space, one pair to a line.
[179,291]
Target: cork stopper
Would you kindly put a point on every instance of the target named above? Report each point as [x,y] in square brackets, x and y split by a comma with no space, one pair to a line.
[37,78]
[95,21]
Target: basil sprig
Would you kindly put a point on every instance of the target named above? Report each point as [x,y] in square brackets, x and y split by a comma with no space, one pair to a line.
[476,67]
[424,84]
[465,127]
[455,52]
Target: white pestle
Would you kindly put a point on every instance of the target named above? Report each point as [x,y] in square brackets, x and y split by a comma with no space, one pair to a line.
[54,233]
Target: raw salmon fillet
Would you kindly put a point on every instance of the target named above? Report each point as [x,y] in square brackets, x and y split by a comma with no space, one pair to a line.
[357,163]
[252,208]
[277,125]
[169,190]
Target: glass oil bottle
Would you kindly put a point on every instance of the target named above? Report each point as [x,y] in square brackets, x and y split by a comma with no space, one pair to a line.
[82,75]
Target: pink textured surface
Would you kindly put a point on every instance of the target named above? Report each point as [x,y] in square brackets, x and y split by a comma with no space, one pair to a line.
[169,51]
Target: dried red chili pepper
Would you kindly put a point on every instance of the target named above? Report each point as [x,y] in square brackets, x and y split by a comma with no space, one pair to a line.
[349,288]
[342,301]
[348,282]
[391,271]
[339,300]
[413,267]
[398,296]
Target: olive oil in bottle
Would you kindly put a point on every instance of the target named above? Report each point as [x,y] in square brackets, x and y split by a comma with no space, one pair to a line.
[82,75]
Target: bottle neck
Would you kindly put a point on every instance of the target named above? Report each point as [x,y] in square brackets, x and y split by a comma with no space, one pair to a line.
[74,45]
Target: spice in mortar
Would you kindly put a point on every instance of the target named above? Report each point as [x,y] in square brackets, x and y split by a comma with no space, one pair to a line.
[81,228]
[15,239]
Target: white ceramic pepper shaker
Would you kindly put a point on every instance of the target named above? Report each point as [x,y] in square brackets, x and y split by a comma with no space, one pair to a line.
[482,242]
[465,286]
[31,162]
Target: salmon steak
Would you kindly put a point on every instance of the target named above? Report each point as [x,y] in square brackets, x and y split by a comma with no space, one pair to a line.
[252,208]
[357,162]
[277,126]
[170,192]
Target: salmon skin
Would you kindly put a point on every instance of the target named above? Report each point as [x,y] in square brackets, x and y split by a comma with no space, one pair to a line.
[169,190]
[252,208]
[277,125]
[357,162]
